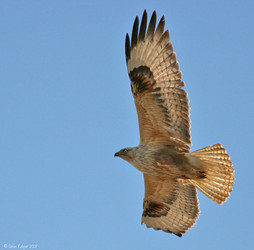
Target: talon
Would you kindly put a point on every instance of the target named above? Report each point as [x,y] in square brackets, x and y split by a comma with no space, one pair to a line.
[203,174]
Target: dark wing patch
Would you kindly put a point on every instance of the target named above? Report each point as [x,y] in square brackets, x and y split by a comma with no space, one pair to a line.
[142,79]
[154,209]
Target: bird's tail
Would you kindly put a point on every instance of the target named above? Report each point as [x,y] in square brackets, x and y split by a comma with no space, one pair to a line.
[218,177]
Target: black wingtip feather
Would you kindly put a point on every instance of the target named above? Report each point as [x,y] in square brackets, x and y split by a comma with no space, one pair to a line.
[160,27]
[151,26]
[134,35]
[142,31]
[127,47]
[154,14]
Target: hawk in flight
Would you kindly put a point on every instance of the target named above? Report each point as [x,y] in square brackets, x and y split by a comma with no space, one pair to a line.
[172,174]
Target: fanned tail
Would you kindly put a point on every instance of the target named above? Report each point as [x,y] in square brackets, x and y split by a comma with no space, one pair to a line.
[218,178]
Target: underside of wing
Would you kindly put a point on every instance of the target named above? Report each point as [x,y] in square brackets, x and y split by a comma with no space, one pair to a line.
[169,205]
[162,105]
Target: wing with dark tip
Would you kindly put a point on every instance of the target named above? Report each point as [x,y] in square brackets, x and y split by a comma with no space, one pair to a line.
[169,205]
[162,105]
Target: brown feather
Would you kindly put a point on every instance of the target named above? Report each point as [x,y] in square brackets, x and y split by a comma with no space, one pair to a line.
[142,31]
[134,35]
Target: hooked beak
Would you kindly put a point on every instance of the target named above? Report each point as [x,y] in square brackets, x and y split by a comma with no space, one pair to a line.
[116,154]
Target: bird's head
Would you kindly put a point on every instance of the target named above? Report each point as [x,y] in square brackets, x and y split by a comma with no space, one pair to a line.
[127,154]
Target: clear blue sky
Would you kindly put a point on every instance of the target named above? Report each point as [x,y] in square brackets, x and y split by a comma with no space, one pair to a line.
[66,108]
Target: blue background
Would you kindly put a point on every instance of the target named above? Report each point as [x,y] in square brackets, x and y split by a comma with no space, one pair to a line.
[66,107]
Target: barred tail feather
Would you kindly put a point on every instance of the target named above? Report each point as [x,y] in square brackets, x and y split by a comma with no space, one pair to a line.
[218,173]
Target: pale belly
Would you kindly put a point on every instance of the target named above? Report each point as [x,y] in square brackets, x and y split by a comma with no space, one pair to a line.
[168,164]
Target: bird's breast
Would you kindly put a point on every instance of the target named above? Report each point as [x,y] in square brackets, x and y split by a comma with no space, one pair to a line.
[161,162]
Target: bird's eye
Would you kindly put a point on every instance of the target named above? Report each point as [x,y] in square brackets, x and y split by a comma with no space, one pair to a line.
[125,150]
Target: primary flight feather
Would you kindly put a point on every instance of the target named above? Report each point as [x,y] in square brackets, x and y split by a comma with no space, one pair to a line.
[171,172]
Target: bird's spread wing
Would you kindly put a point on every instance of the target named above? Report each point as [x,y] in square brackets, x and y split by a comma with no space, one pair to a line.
[162,105]
[171,206]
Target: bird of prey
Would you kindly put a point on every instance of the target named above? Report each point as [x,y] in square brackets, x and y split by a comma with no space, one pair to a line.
[172,174]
